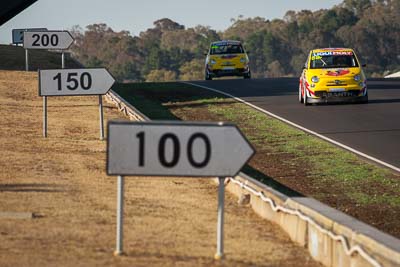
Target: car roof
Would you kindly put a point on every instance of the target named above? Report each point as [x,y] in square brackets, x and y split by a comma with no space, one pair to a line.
[223,42]
[332,49]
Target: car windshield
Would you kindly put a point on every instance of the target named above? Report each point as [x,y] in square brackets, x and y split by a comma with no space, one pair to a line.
[329,60]
[226,48]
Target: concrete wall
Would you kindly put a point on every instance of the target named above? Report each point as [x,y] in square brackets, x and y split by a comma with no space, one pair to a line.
[332,237]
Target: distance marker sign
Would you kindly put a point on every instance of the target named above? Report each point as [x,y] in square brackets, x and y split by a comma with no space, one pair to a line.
[176,149]
[47,40]
[69,82]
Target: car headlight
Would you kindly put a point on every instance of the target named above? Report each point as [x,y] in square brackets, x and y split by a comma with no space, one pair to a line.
[213,62]
[242,60]
[357,78]
[315,79]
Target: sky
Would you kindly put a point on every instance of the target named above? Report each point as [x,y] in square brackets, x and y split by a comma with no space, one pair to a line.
[137,16]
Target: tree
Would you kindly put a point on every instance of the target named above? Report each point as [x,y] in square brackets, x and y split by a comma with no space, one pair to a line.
[166,24]
[357,6]
[193,70]
[161,75]
[168,50]
[275,70]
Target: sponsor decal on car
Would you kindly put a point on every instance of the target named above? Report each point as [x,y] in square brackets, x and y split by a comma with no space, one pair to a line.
[333,53]
[228,56]
[339,72]
[338,94]
[227,63]
[335,90]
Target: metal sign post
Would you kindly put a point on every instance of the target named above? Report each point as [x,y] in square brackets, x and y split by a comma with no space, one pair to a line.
[44,116]
[74,82]
[62,60]
[120,217]
[101,117]
[170,148]
[220,226]
[26,60]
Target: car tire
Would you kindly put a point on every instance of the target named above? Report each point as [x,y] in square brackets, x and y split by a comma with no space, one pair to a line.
[365,100]
[305,101]
[300,95]
[247,75]
[207,76]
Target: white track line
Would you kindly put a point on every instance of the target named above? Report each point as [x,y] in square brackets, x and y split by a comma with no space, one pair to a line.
[302,128]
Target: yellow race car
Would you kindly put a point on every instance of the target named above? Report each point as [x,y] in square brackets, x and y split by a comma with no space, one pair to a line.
[227,58]
[332,75]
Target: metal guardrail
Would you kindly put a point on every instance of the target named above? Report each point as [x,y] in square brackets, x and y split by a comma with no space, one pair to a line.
[125,107]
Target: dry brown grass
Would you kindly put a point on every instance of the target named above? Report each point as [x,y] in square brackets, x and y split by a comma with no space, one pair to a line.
[62,179]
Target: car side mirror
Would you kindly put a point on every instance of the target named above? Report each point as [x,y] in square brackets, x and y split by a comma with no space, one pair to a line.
[364,65]
[304,67]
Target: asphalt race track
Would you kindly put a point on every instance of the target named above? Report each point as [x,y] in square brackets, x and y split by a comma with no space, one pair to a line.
[373,128]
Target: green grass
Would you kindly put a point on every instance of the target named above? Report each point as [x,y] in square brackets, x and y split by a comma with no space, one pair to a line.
[151,107]
[327,165]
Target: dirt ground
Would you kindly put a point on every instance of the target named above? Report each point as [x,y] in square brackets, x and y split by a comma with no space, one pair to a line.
[62,180]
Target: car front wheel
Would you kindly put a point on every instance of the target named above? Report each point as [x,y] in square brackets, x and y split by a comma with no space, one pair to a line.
[365,100]
[207,76]
[305,101]
[300,95]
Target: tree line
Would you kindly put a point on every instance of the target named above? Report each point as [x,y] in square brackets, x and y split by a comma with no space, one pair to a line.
[170,51]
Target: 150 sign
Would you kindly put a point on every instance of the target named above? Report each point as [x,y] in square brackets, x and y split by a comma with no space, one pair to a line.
[60,82]
[74,81]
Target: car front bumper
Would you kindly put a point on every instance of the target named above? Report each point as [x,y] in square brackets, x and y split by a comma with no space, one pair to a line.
[228,72]
[335,99]
[349,96]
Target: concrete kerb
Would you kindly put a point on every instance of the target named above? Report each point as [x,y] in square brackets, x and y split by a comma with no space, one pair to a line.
[332,237]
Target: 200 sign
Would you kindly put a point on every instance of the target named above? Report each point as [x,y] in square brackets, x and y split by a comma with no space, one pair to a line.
[45,40]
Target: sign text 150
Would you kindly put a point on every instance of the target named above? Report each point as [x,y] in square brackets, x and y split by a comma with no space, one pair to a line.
[84,81]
